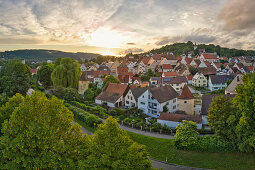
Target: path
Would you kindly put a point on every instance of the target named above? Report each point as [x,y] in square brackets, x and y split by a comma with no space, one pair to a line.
[151,134]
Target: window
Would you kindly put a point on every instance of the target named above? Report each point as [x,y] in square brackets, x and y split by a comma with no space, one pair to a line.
[174,100]
[204,81]
[142,103]
[131,98]
[177,84]
[177,88]
[128,96]
[174,107]
[185,101]
[127,102]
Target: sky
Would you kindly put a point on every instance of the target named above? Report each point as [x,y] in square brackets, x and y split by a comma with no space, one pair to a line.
[117,27]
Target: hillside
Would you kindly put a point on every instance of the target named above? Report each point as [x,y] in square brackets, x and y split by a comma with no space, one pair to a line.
[44,55]
[180,48]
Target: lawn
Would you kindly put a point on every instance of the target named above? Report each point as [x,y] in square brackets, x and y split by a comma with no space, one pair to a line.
[160,149]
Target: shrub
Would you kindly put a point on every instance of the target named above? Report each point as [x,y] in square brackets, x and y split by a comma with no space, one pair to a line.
[186,135]
[92,120]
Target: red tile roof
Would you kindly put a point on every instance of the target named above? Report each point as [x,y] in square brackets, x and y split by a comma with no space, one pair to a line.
[101,73]
[209,56]
[170,74]
[186,94]
[116,88]
[145,60]
[189,77]
[167,66]
[34,71]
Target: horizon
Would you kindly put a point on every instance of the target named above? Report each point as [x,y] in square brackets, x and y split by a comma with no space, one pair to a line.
[118,27]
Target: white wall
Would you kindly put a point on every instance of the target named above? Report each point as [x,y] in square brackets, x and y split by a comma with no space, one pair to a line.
[173,124]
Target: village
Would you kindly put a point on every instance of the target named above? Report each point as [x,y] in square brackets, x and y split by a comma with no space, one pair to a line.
[181,88]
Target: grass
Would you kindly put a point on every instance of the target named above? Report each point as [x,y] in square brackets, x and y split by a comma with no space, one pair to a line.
[159,149]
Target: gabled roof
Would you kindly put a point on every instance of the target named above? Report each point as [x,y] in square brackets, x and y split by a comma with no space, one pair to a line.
[175,80]
[207,100]
[99,73]
[170,57]
[189,77]
[146,60]
[84,76]
[170,74]
[138,92]
[123,78]
[209,56]
[180,117]
[232,86]
[220,79]
[167,66]
[208,70]
[113,92]
[163,93]
[186,93]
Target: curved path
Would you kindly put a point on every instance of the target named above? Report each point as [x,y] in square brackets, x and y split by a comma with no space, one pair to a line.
[155,163]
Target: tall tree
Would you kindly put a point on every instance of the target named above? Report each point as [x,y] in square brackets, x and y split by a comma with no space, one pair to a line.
[110,79]
[40,135]
[44,74]
[66,73]
[112,148]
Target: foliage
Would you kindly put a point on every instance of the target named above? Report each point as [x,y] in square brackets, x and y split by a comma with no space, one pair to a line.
[66,73]
[3,98]
[113,149]
[40,135]
[229,81]
[89,95]
[44,74]
[97,110]
[7,109]
[162,149]
[165,108]
[186,135]
[68,94]
[234,121]
[181,48]
[15,77]
[193,70]
[110,79]
[148,75]
[213,144]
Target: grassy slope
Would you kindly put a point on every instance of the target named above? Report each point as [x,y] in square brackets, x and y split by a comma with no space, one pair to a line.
[161,148]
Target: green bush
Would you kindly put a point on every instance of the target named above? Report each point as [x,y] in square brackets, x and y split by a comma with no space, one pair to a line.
[186,135]
[92,120]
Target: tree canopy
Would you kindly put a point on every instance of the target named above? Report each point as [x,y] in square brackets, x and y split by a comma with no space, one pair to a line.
[66,73]
[44,74]
[40,135]
[110,79]
[112,148]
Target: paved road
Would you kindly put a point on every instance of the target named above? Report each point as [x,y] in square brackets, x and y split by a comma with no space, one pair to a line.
[156,135]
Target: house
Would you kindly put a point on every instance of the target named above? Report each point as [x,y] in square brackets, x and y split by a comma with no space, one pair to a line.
[206,71]
[83,83]
[231,89]
[169,74]
[92,68]
[173,119]
[83,67]
[113,95]
[210,57]
[199,80]
[206,102]
[131,66]
[33,71]
[122,70]
[186,101]
[99,81]
[217,66]
[246,62]
[189,78]
[182,69]
[171,59]
[125,79]
[131,98]
[103,67]
[145,84]
[136,80]
[154,99]
[177,82]
[147,61]
[139,68]
[217,82]
[114,66]
[167,68]
[155,80]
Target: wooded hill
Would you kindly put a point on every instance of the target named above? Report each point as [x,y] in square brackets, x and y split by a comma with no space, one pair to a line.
[44,55]
[184,48]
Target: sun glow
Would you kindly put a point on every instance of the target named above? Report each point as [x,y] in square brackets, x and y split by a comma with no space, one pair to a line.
[107,38]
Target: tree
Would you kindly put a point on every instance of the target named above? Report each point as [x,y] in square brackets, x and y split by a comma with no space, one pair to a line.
[44,75]
[192,70]
[89,95]
[244,118]
[112,148]
[7,109]
[218,115]
[15,77]
[165,108]
[66,73]
[110,79]
[229,81]
[40,135]
[186,135]
[100,59]
[68,94]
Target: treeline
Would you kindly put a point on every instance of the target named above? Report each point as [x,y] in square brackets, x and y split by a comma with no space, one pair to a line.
[44,55]
[184,48]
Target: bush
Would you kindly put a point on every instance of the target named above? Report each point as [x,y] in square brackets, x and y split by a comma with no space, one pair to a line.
[92,120]
[186,135]
[213,144]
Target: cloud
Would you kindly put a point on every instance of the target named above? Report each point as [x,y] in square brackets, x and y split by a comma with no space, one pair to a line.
[131,43]
[19,41]
[131,50]
[238,14]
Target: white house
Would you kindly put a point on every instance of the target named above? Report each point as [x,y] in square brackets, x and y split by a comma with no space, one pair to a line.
[83,67]
[173,119]
[199,80]
[217,82]
[154,99]
[131,98]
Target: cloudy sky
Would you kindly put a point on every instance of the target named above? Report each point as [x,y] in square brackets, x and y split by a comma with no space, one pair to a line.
[121,26]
